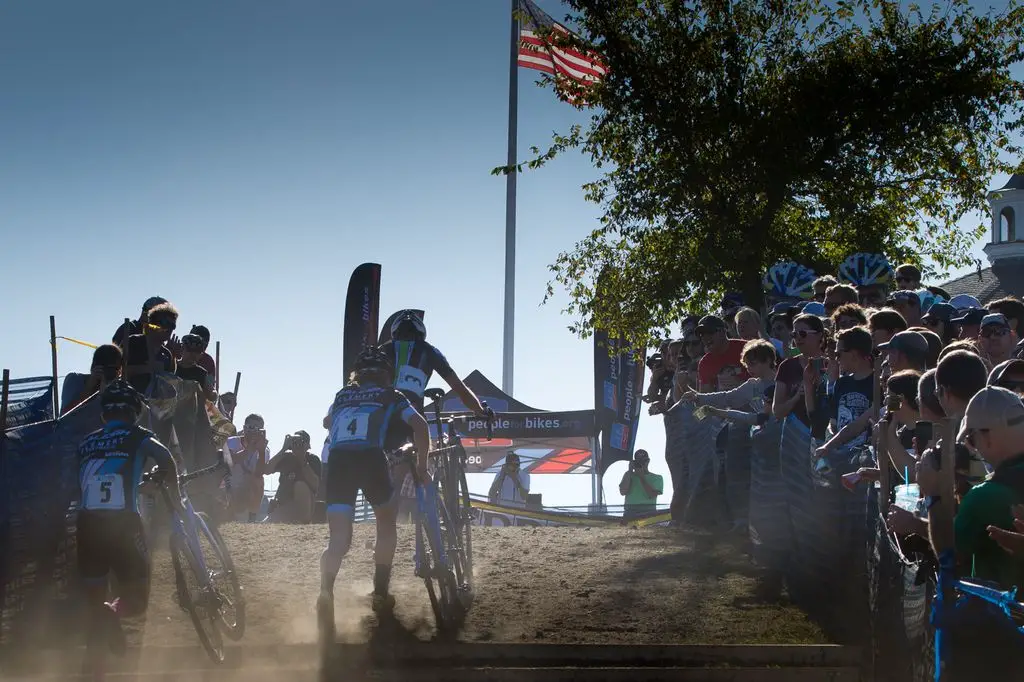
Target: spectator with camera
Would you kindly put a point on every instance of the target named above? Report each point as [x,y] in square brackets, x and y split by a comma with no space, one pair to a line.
[640,487]
[189,367]
[106,367]
[300,473]
[663,370]
[246,457]
[511,484]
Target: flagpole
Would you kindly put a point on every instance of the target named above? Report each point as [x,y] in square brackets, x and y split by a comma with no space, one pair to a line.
[508,355]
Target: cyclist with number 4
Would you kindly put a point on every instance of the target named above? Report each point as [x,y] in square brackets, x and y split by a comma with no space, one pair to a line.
[110,535]
[368,417]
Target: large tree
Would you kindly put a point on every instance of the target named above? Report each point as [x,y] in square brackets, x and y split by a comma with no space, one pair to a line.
[736,133]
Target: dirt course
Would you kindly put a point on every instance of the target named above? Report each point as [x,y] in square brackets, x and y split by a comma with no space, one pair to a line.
[544,585]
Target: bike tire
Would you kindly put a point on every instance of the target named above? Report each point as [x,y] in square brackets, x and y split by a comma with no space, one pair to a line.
[184,563]
[426,571]
[466,538]
[234,628]
[445,572]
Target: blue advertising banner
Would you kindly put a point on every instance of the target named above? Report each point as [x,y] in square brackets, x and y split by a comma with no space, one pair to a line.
[618,384]
[30,401]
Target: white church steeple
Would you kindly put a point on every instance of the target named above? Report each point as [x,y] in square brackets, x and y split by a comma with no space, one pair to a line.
[1007,237]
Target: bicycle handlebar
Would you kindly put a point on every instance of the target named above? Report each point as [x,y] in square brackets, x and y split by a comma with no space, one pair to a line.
[158,475]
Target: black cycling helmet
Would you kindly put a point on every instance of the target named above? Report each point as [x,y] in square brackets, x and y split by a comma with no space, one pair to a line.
[120,395]
[373,359]
[408,327]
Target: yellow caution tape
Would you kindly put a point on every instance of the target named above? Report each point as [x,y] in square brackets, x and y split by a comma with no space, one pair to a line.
[80,343]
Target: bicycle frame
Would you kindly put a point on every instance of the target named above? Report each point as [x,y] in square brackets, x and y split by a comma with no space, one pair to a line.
[1004,601]
[190,530]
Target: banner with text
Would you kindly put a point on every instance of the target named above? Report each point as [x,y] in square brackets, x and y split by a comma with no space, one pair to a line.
[362,311]
[618,385]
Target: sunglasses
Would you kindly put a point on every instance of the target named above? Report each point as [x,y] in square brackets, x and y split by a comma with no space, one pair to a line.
[803,333]
[166,325]
[253,429]
[931,321]
[192,345]
[905,278]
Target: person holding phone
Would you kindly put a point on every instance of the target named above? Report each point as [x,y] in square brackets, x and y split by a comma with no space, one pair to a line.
[106,367]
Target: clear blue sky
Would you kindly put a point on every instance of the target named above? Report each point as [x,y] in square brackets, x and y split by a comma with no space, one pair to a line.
[241,157]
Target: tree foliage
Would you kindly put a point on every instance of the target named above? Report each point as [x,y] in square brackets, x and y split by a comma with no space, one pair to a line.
[733,134]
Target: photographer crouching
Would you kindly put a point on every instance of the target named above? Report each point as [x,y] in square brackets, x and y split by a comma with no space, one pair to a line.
[300,472]
[640,487]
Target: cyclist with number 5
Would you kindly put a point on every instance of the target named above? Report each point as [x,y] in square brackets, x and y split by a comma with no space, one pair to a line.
[368,417]
[110,534]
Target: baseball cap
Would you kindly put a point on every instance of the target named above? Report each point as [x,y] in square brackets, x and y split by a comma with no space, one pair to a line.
[814,308]
[711,323]
[903,296]
[994,407]
[995,318]
[908,342]
[970,316]
[942,312]
[1004,368]
[781,308]
[732,299]
[964,301]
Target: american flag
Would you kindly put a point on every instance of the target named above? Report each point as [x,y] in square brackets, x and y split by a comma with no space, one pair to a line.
[543,53]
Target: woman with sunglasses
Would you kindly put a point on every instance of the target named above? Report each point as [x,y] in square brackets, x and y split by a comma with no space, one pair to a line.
[147,352]
[799,382]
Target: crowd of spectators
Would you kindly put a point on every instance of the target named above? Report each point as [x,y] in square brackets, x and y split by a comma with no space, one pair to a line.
[148,347]
[870,373]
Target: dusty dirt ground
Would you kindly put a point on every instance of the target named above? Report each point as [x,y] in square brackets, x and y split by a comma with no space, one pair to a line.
[545,585]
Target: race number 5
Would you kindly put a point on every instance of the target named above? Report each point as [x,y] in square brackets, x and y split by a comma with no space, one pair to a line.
[105,491]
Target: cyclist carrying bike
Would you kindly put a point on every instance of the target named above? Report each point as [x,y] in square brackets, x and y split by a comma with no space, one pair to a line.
[415,361]
[110,535]
[367,417]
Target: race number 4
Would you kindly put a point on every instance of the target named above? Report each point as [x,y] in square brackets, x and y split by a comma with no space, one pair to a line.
[105,491]
[350,425]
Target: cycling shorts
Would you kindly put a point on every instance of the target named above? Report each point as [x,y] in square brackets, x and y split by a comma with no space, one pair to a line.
[115,542]
[349,471]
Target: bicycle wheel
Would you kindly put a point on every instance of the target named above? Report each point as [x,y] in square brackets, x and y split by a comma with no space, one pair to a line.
[465,524]
[459,540]
[224,578]
[186,569]
[436,567]
[425,570]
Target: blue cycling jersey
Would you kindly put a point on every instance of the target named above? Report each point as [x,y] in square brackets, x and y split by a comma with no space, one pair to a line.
[369,417]
[415,362]
[110,466]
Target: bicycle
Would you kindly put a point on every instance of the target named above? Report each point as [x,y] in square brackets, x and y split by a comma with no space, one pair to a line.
[440,558]
[211,611]
[451,474]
